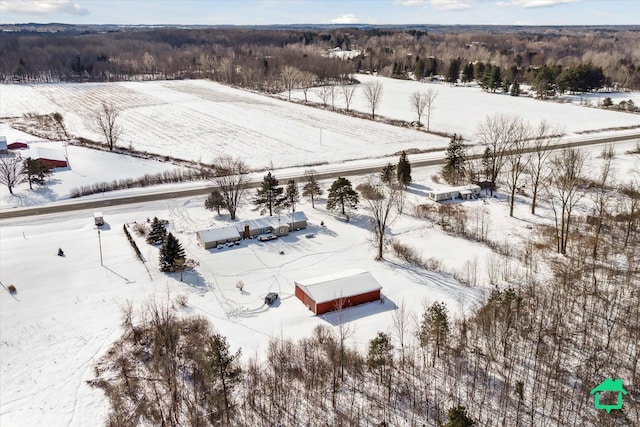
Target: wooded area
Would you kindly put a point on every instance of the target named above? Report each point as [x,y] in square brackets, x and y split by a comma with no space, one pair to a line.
[558,59]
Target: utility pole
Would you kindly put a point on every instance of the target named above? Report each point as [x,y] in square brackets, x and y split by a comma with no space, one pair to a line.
[100,244]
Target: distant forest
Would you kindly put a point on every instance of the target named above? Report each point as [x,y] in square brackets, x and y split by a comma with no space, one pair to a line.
[552,59]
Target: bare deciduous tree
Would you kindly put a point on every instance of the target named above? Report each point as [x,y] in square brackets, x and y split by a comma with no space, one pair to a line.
[306,81]
[373,94]
[495,133]
[544,137]
[348,91]
[430,99]
[230,177]
[418,103]
[106,118]
[564,190]
[10,172]
[383,200]
[516,161]
[324,93]
[290,77]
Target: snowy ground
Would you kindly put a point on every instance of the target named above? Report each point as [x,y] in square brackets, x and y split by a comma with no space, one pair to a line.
[461,108]
[199,120]
[67,310]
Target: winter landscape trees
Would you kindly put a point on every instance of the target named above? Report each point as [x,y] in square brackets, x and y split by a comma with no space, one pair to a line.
[342,196]
[230,178]
[10,168]
[106,119]
[269,197]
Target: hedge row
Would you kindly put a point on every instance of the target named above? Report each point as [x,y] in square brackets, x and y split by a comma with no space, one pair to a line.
[133,242]
[166,177]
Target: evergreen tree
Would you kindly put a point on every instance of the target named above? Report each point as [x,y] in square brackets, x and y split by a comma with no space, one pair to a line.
[158,232]
[495,78]
[515,89]
[171,254]
[35,171]
[487,160]
[387,174]
[215,201]
[343,195]
[467,73]
[458,417]
[434,327]
[454,71]
[403,170]
[454,168]
[223,369]
[292,195]
[269,195]
[380,354]
[311,188]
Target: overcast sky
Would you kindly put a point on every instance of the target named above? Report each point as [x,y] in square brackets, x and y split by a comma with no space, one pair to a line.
[258,12]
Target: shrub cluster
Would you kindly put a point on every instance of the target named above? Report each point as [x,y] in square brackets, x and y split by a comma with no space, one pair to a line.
[177,175]
[133,242]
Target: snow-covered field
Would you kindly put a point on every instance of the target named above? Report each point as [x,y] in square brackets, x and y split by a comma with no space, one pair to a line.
[199,120]
[66,312]
[461,108]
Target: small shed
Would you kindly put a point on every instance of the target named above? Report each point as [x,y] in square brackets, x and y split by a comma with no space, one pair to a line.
[3,145]
[270,298]
[338,290]
[98,219]
[17,146]
[215,236]
[52,157]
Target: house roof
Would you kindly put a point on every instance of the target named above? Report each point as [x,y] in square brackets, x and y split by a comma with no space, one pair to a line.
[462,189]
[271,221]
[341,284]
[609,385]
[218,234]
[51,154]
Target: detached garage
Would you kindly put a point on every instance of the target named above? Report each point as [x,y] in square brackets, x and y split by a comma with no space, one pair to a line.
[215,236]
[338,290]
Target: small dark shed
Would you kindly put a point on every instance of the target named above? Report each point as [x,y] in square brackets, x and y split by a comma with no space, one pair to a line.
[270,298]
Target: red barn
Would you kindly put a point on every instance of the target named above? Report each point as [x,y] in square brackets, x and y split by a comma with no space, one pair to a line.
[338,290]
[17,146]
[52,157]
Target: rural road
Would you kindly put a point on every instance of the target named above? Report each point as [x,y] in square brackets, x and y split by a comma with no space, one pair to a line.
[323,172]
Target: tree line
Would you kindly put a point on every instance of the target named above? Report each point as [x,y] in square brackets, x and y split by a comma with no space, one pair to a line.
[257,58]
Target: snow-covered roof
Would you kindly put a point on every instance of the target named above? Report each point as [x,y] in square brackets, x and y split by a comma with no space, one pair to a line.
[218,234]
[51,154]
[463,189]
[271,221]
[342,284]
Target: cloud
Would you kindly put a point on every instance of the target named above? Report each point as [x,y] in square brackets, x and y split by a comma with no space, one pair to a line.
[450,5]
[42,7]
[409,2]
[348,18]
[530,4]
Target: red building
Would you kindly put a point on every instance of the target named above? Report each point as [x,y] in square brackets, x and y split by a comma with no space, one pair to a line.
[17,146]
[52,157]
[338,290]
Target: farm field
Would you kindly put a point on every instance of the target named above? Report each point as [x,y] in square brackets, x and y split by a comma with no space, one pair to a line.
[461,108]
[198,120]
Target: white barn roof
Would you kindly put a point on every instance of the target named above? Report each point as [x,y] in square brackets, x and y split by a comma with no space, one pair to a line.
[218,234]
[341,284]
[51,154]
